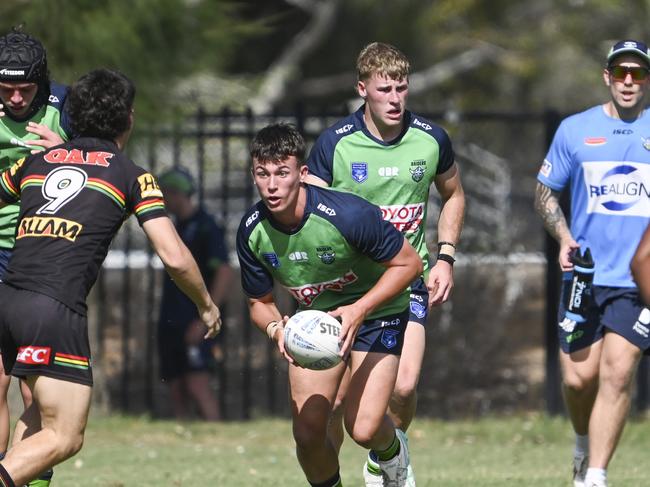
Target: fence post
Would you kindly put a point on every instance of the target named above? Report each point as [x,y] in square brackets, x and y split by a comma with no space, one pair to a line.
[553,394]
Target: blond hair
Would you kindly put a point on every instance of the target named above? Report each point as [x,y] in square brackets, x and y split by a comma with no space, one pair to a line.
[382,59]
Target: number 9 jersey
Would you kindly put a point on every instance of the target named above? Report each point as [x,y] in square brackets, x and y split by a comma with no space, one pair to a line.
[73,196]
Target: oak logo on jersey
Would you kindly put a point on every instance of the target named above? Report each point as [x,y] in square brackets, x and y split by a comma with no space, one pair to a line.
[38,226]
[306,294]
[326,254]
[359,171]
[406,218]
[149,187]
[77,156]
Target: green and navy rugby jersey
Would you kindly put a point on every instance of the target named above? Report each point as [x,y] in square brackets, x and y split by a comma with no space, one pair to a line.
[394,175]
[13,138]
[331,259]
[73,200]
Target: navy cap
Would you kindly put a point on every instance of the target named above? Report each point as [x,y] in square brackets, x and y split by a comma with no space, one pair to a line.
[635,48]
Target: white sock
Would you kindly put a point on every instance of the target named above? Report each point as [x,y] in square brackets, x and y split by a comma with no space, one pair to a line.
[596,475]
[582,445]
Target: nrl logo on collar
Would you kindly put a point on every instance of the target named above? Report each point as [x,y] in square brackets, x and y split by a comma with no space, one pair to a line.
[646,142]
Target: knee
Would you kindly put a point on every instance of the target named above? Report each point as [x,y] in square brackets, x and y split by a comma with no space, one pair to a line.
[616,380]
[69,445]
[362,431]
[577,383]
[405,389]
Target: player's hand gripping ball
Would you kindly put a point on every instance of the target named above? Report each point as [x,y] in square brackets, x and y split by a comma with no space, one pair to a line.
[312,338]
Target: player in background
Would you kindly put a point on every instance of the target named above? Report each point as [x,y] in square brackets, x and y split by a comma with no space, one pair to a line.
[603,156]
[641,267]
[31,118]
[186,359]
[73,199]
[391,157]
[333,252]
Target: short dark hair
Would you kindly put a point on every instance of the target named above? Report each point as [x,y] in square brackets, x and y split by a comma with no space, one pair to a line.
[278,141]
[99,104]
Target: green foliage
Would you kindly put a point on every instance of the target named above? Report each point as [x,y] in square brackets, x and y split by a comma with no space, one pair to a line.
[155,42]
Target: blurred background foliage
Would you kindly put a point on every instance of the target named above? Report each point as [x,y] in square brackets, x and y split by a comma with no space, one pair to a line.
[528,55]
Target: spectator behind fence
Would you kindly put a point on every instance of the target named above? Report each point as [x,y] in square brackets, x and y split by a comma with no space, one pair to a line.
[603,156]
[186,360]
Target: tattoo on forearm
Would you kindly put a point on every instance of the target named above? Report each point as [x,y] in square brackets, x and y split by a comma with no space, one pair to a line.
[547,204]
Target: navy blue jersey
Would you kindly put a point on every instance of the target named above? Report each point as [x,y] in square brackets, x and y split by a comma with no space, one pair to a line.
[331,259]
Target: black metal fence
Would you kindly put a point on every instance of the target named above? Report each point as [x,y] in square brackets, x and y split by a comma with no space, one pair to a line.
[492,347]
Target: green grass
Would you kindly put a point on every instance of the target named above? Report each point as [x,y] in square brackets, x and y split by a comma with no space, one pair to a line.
[530,450]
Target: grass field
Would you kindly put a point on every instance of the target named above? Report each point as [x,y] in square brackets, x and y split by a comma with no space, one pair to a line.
[530,450]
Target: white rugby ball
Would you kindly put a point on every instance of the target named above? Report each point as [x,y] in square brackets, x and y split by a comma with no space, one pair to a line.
[312,339]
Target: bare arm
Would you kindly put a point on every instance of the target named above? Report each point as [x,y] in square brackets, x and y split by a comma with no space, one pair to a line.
[547,204]
[450,225]
[400,272]
[264,315]
[641,267]
[183,270]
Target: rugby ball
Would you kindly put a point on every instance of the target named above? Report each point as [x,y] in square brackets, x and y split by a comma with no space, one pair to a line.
[312,339]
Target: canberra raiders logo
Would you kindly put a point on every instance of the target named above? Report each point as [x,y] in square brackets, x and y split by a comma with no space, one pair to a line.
[326,254]
[417,170]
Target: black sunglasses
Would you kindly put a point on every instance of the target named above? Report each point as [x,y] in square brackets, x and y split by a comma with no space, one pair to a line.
[619,73]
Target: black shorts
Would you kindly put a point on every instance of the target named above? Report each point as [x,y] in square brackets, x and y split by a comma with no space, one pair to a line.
[382,335]
[177,359]
[41,336]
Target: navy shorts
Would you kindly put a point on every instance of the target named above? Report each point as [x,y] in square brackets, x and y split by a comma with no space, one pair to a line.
[418,304]
[382,335]
[613,308]
[42,336]
[177,358]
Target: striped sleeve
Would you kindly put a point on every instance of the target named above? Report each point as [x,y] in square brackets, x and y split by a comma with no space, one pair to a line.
[145,199]
[10,182]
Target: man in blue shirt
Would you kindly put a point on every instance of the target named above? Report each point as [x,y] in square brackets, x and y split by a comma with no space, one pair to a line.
[603,156]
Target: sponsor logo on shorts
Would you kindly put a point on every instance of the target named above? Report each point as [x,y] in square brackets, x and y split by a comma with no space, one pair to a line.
[272,259]
[406,218]
[389,338]
[33,355]
[38,226]
[642,325]
[546,168]
[74,361]
[574,336]
[568,325]
[418,310]
[149,187]
[306,294]
[359,171]
[77,156]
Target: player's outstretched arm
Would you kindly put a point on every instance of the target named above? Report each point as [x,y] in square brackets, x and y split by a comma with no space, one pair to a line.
[400,272]
[547,204]
[182,268]
[641,267]
[450,225]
